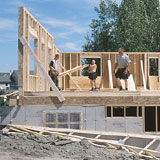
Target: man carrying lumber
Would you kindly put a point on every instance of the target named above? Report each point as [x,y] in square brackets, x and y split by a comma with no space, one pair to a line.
[93,75]
[53,72]
[121,68]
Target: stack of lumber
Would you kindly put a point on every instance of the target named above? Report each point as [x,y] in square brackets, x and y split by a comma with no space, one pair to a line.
[98,139]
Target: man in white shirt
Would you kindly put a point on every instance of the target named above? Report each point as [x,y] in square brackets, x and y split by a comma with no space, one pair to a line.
[54,69]
[121,68]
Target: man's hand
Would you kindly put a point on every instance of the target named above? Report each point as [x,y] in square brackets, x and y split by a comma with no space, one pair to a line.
[57,72]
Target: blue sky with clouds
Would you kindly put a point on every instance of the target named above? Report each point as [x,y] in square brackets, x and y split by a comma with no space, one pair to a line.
[67,20]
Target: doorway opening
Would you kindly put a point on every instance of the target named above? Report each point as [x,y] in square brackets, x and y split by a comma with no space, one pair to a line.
[150,119]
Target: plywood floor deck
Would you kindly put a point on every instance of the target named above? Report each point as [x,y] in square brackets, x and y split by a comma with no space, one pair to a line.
[92,98]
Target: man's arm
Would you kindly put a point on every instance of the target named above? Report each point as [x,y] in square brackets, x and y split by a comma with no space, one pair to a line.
[128,60]
[116,67]
[52,68]
[126,70]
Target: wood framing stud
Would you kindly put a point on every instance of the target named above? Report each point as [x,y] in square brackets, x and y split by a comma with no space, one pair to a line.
[41,68]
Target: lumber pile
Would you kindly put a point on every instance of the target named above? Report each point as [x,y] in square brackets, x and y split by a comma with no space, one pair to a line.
[98,139]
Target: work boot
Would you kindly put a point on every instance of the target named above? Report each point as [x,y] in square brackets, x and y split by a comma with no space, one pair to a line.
[92,89]
[120,88]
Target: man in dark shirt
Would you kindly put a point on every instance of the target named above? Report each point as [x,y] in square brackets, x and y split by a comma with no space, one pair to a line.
[54,70]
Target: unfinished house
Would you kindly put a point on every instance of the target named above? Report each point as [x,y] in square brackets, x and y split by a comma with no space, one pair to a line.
[75,107]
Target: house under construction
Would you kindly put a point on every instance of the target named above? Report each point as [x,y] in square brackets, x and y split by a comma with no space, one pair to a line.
[75,107]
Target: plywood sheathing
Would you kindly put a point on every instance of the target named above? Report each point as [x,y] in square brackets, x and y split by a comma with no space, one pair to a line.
[135,98]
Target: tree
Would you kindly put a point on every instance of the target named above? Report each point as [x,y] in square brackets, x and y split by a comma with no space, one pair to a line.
[137,25]
[133,25]
[102,35]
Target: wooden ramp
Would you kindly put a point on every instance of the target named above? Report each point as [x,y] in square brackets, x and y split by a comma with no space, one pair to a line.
[144,146]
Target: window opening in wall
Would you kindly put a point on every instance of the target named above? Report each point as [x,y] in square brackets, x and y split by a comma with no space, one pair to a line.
[118,111]
[70,120]
[88,61]
[131,111]
[150,119]
[153,67]
[31,61]
[121,111]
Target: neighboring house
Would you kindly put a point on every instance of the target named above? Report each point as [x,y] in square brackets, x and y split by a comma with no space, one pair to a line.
[5,81]
[14,79]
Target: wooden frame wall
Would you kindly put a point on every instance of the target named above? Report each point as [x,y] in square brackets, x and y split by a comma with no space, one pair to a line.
[29,27]
[134,68]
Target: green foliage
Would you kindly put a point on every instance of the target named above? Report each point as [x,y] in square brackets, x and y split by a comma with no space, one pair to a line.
[102,36]
[133,25]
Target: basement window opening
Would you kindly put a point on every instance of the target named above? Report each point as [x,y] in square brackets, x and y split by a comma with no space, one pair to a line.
[131,111]
[70,120]
[122,111]
[118,111]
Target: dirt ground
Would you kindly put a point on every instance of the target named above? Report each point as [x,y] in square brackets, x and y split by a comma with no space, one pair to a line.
[32,147]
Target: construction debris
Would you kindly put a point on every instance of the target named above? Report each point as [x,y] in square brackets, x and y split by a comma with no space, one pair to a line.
[99,140]
[24,143]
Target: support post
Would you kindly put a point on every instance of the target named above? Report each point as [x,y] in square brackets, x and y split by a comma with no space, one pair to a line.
[143,76]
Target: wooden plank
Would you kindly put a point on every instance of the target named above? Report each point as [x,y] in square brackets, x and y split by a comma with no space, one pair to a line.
[153,82]
[41,68]
[110,73]
[72,70]
[33,33]
[148,145]
[83,82]
[105,78]
[20,51]
[49,45]
[150,154]
[112,53]
[143,76]
[131,84]
[71,77]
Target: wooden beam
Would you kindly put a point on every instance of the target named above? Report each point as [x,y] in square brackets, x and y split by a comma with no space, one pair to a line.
[41,68]
[33,33]
[49,45]
[148,145]
[110,74]
[72,70]
[107,53]
[143,76]
[71,77]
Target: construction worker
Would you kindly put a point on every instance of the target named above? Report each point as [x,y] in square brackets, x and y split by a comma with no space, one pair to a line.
[121,69]
[53,72]
[93,75]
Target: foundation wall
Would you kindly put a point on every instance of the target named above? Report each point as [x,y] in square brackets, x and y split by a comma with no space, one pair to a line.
[92,118]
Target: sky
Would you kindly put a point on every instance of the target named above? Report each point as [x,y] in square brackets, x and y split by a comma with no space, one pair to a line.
[67,20]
